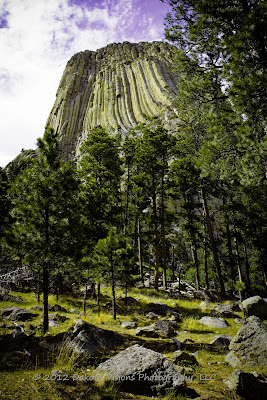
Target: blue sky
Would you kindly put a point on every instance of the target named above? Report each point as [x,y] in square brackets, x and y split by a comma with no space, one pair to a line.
[37,38]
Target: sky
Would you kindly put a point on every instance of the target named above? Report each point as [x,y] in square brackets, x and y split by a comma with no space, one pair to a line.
[38,37]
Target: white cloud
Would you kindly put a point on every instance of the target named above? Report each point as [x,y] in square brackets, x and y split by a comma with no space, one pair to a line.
[41,36]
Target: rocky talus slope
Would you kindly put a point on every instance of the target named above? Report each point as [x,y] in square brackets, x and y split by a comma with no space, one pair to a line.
[116,87]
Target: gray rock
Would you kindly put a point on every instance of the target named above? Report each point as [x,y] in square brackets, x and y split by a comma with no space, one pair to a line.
[88,338]
[152,315]
[249,346]
[222,340]
[131,301]
[17,314]
[157,329]
[53,324]
[159,308]
[57,308]
[57,318]
[181,357]
[176,317]
[141,371]
[74,311]
[247,385]
[255,306]
[225,310]
[204,304]
[214,322]
[128,325]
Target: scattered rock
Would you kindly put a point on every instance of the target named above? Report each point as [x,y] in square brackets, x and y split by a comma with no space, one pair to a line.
[90,339]
[204,304]
[57,308]
[53,324]
[17,314]
[222,340]
[175,316]
[239,321]
[159,308]
[157,329]
[128,325]
[74,311]
[205,295]
[249,346]
[255,306]
[152,315]
[181,357]
[141,371]
[131,301]
[214,322]
[57,318]
[247,385]
[225,310]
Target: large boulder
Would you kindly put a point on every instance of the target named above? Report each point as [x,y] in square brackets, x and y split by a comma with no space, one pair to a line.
[214,322]
[249,346]
[159,308]
[225,310]
[141,371]
[248,386]
[157,329]
[88,338]
[255,306]
[182,357]
[222,340]
[18,314]
[57,317]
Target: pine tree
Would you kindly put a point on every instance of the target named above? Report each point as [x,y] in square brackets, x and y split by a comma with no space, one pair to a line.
[46,211]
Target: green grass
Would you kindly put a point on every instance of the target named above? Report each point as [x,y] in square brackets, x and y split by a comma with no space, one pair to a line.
[21,384]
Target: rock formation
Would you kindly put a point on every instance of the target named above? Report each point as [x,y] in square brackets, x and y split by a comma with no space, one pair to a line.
[116,87]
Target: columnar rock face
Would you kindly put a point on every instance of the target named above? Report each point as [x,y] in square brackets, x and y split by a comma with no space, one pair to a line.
[116,87]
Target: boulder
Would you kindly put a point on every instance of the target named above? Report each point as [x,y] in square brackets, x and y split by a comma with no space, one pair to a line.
[175,316]
[53,324]
[88,338]
[222,340]
[57,318]
[57,308]
[247,385]
[157,329]
[18,314]
[141,371]
[74,311]
[204,304]
[181,357]
[249,346]
[152,315]
[255,306]
[214,322]
[159,308]
[128,325]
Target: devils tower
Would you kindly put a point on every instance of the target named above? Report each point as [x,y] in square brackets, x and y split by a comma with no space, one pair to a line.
[117,87]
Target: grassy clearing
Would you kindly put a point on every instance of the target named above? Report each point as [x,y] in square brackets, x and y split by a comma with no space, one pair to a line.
[22,384]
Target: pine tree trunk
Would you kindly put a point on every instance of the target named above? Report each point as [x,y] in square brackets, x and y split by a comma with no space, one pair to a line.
[140,252]
[247,269]
[114,311]
[193,245]
[98,299]
[84,300]
[212,241]
[230,255]
[156,241]
[45,297]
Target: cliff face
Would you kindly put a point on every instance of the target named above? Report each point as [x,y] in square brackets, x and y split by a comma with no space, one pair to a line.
[116,87]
